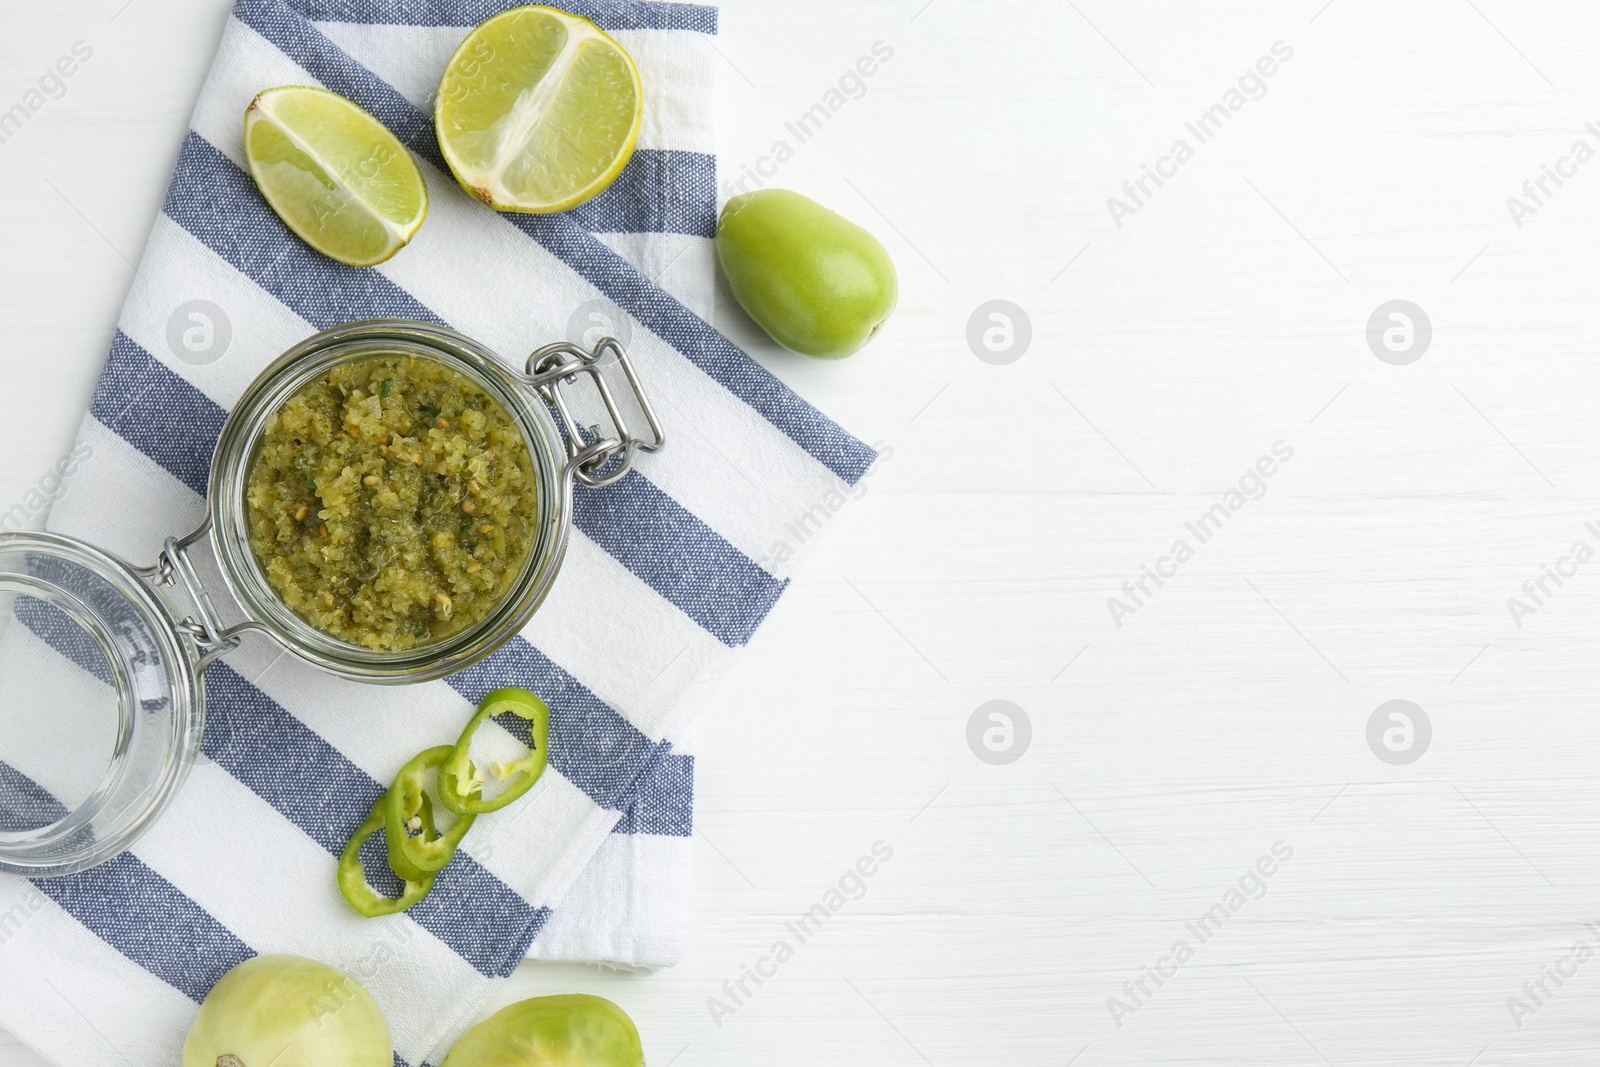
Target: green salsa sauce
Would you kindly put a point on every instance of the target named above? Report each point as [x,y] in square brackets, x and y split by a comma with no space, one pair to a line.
[392,502]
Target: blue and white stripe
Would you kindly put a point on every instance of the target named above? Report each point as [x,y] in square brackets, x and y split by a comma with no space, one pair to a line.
[667,575]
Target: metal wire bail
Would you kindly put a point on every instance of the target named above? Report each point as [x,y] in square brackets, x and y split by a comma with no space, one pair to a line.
[595,459]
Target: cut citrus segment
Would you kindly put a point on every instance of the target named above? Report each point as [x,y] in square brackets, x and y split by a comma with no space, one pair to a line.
[538,110]
[335,175]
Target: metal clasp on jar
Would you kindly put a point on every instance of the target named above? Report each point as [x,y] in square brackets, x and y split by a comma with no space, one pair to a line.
[594,459]
[212,637]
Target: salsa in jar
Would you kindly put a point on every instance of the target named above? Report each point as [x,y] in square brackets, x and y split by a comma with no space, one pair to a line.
[392,502]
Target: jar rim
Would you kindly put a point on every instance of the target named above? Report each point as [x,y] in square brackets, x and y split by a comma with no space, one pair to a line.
[241,571]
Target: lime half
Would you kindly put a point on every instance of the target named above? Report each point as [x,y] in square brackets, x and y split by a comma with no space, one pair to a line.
[335,175]
[538,110]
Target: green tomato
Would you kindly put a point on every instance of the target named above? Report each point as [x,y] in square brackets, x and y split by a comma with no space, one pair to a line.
[288,1011]
[818,283]
[574,1030]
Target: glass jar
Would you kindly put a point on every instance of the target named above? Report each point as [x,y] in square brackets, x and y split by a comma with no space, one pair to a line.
[150,632]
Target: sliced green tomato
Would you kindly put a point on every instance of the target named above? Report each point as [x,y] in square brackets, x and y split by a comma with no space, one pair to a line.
[574,1030]
[353,876]
[461,784]
[335,175]
[427,852]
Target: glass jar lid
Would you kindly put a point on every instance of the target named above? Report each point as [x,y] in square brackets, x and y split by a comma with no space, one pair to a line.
[104,705]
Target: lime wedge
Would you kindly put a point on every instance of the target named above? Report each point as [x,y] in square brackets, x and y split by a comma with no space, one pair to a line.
[335,175]
[538,110]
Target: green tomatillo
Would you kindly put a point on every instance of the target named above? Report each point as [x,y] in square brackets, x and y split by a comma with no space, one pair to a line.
[573,1030]
[288,1011]
[818,283]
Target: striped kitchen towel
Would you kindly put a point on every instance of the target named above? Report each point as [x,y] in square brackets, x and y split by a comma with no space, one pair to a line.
[669,571]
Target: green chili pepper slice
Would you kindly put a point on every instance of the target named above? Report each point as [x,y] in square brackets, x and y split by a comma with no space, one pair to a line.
[461,787]
[428,851]
[353,876]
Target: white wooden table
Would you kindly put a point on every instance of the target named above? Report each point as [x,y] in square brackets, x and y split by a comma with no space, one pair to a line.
[1229,710]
